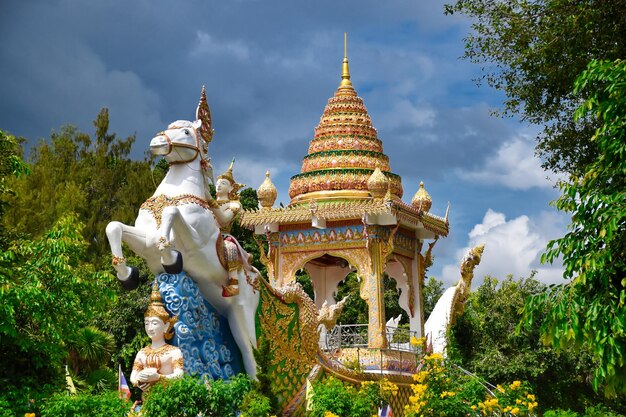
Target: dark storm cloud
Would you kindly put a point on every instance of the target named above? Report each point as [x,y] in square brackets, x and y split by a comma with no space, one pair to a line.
[269,68]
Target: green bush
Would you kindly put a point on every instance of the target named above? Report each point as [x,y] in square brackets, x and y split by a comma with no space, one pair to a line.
[256,404]
[187,396]
[19,400]
[344,399]
[600,410]
[102,405]
[5,409]
[190,396]
[561,413]
[226,397]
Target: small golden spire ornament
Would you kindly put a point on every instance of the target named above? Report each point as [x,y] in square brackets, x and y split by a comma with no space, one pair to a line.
[267,192]
[421,199]
[378,183]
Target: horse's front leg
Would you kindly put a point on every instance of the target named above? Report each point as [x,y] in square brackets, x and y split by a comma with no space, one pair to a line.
[135,238]
[175,228]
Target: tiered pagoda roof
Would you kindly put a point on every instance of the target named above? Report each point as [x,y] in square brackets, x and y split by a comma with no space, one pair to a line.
[345,174]
[343,153]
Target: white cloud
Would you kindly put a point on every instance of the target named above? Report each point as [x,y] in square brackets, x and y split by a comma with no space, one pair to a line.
[404,113]
[511,247]
[514,166]
[207,44]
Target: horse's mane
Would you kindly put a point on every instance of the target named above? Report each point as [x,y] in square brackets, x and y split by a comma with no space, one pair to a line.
[180,123]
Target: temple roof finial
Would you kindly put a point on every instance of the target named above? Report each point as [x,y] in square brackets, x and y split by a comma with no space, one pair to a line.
[345,87]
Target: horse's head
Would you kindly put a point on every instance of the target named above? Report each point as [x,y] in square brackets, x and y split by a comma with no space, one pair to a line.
[180,143]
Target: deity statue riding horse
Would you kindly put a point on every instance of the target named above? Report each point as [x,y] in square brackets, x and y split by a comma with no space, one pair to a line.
[181,226]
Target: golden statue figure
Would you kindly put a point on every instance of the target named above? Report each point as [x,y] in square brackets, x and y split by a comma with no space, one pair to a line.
[160,360]
[226,208]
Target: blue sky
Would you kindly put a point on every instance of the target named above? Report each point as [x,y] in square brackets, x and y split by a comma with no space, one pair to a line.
[269,68]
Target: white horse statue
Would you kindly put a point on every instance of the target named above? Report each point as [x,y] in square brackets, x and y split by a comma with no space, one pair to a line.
[177,226]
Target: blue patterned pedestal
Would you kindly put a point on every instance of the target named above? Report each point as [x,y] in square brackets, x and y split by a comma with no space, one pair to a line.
[201,333]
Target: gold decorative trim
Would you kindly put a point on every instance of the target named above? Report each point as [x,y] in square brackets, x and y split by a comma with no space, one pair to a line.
[293,261]
[156,204]
[345,210]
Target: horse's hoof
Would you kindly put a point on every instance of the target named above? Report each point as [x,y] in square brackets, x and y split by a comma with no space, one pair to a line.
[176,267]
[133,280]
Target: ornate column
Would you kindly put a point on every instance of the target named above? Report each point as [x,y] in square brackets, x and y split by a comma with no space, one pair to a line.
[380,245]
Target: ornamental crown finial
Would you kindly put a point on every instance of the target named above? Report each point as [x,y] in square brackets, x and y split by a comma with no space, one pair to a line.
[345,87]
[378,183]
[267,192]
[421,199]
[228,175]
[157,309]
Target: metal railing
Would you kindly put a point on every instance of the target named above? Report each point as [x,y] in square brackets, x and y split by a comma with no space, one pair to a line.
[355,335]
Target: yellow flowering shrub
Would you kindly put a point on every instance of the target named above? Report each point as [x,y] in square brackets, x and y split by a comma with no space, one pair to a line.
[514,399]
[440,388]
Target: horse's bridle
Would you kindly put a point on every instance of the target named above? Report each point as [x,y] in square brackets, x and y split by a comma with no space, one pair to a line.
[171,145]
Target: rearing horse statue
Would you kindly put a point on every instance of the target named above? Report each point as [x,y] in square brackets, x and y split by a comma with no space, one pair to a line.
[176,228]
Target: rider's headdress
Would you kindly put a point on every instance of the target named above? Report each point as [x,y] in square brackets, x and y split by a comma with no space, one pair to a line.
[157,309]
[228,175]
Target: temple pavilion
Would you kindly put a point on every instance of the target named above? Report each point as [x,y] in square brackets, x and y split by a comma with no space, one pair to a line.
[347,214]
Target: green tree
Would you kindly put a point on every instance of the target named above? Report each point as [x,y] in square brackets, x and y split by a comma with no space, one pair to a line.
[391,297]
[484,340]
[589,311]
[93,178]
[89,349]
[355,309]
[533,51]
[47,294]
[11,166]
[432,291]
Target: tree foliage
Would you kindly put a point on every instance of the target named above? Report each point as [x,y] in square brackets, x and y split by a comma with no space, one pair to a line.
[432,291]
[590,310]
[47,294]
[533,50]
[484,340]
[11,166]
[93,178]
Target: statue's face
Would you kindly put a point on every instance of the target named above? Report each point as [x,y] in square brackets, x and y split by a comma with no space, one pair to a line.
[155,327]
[223,186]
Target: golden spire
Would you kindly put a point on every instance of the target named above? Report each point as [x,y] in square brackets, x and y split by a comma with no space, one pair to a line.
[421,199]
[345,87]
[267,192]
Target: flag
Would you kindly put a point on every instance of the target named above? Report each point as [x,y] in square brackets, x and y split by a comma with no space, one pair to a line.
[385,411]
[68,380]
[309,395]
[122,386]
